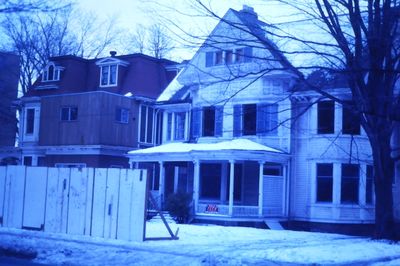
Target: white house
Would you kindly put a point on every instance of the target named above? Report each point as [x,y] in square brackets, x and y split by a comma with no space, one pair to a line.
[235,133]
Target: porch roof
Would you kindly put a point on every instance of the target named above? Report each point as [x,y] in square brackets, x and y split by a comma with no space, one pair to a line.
[239,149]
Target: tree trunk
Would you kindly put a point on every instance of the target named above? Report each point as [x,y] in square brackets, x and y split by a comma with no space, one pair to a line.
[383,176]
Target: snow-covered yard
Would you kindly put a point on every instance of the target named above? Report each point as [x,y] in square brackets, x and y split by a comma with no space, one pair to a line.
[204,245]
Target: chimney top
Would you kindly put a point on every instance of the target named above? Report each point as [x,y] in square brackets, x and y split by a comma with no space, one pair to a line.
[249,13]
[113,53]
[248,9]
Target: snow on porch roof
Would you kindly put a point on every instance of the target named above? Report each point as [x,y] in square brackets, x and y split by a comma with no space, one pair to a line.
[179,147]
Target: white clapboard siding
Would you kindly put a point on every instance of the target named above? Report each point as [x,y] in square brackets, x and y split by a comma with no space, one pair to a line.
[57,200]
[112,199]
[77,201]
[138,206]
[14,196]
[99,202]
[35,197]
[3,172]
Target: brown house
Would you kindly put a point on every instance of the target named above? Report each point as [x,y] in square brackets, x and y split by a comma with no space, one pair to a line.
[84,112]
[9,75]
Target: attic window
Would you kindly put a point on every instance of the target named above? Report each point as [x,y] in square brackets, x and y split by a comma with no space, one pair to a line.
[235,56]
[51,73]
[108,75]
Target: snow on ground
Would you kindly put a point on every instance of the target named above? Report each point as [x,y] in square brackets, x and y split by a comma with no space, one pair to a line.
[204,245]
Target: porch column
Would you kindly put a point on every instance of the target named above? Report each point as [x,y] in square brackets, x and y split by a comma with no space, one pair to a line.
[196,184]
[161,188]
[260,188]
[231,186]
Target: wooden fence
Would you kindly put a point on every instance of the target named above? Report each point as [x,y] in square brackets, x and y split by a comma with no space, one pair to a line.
[108,203]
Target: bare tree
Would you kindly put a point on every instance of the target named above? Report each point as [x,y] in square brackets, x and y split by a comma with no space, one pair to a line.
[18,6]
[35,37]
[152,40]
[360,41]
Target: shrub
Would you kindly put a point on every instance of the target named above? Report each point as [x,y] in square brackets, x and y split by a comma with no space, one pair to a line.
[179,206]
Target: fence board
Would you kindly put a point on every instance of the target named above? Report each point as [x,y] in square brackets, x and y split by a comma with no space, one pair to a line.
[89,200]
[77,201]
[99,202]
[110,222]
[14,200]
[3,172]
[138,205]
[35,197]
[125,204]
[57,200]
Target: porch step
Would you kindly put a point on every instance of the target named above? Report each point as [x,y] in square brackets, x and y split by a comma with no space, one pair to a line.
[273,224]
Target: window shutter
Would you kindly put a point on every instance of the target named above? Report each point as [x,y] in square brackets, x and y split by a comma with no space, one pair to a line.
[272,114]
[262,110]
[219,120]
[237,120]
[209,59]
[248,54]
[196,123]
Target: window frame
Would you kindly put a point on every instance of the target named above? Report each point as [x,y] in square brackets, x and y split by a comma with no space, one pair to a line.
[208,115]
[349,119]
[322,119]
[146,134]
[346,185]
[122,115]
[70,117]
[29,123]
[249,119]
[109,75]
[55,73]
[322,179]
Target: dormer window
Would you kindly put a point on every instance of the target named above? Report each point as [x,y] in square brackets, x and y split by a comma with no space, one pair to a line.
[51,73]
[109,68]
[109,75]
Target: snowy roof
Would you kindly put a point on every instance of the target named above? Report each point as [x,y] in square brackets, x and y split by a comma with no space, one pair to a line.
[171,89]
[180,147]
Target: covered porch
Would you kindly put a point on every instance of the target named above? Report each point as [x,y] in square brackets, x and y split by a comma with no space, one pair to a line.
[237,178]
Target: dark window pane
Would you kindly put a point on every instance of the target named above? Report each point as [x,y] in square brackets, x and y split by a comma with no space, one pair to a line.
[150,125]
[74,113]
[30,121]
[272,169]
[350,122]
[28,160]
[228,57]
[104,75]
[326,117]
[208,121]
[218,58]
[249,119]
[143,123]
[180,125]
[324,182]
[209,59]
[65,114]
[369,188]
[51,73]
[113,75]
[239,55]
[350,180]
[210,180]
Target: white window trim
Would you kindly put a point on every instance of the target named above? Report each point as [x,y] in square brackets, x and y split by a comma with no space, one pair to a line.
[56,69]
[173,117]
[109,74]
[34,136]
[146,126]
[122,110]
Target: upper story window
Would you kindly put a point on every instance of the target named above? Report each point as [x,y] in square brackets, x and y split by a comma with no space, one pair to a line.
[326,117]
[122,115]
[69,113]
[108,75]
[146,124]
[30,121]
[229,56]
[350,121]
[255,119]
[176,126]
[272,86]
[51,73]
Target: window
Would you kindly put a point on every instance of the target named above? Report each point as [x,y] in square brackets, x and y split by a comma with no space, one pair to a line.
[221,57]
[249,119]
[210,181]
[146,124]
[350,180]
[122,115]
[252,119]
[350,121]
[30,121]
[272,169]
[69,113]
[324,182]
[326,117]
[28,160]
[272,86]
[369,186]
[108,75]
[51,73]
[179,131]
[208,121]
